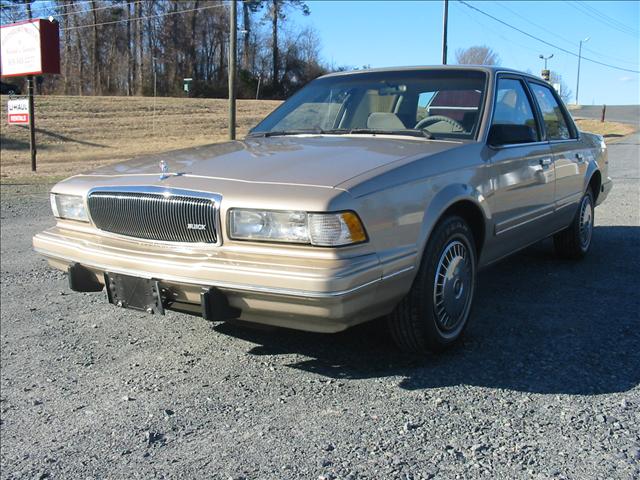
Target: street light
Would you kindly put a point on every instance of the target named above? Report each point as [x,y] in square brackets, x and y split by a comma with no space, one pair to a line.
[545,74]
[580,58]
[545,59]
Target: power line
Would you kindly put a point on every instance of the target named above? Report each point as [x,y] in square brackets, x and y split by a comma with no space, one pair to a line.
[544,41]
[612,19]
[142,17]
[97,9]
[50,7]
[47,8]
[602,18]
[609,18]
[85,11]
[571,42]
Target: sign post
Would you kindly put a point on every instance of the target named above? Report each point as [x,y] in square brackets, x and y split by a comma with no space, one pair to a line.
[32,124]
[29,48]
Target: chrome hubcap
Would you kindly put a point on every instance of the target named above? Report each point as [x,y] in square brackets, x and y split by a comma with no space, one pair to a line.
[453,287]
[586,222]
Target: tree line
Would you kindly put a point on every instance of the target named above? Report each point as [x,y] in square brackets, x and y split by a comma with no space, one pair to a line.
[133,47]
[142,47]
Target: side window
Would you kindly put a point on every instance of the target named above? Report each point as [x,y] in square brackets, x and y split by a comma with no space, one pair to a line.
[423,102]
[513,106]
[554,121]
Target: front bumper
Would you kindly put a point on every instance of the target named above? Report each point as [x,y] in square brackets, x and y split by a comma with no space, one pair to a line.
[313,294]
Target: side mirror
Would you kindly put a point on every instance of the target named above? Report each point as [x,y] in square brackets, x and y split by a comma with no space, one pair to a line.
[507,134]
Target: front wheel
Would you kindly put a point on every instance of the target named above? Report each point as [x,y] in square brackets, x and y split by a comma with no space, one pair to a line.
[574,241]
[436,310]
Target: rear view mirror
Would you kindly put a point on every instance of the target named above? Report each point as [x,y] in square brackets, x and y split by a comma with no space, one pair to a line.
[507,134]
[392,90]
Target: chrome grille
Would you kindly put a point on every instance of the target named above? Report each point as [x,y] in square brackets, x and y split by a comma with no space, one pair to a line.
[164,215]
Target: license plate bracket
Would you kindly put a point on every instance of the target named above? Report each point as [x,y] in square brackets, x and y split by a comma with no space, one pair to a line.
[127,291]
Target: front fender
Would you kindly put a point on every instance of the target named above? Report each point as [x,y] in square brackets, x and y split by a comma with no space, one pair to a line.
[443,201]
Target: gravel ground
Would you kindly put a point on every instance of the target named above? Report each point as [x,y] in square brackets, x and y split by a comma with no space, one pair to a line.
[545,384]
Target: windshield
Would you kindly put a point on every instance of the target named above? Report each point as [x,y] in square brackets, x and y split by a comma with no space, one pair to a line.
[433,104]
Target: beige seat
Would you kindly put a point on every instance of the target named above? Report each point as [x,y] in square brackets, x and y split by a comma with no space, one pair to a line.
[384,121]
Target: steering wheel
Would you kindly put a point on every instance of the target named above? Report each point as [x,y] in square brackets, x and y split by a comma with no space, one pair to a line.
[425,122]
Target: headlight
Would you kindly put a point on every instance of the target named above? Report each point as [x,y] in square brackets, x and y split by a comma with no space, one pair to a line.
[320,229]
[69,206]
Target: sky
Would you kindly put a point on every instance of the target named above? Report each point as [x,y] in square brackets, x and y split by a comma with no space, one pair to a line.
[400,33]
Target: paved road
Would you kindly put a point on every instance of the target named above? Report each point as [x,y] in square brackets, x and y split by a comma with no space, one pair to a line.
[614,113]
[545,385]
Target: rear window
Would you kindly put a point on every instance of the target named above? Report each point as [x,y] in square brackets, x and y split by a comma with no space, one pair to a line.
[554,121]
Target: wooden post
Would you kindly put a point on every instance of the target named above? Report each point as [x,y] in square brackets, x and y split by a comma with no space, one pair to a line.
[604,112]
[233,52]
[32,111]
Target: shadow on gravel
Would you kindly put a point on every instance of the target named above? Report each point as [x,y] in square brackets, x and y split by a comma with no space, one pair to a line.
[540,325]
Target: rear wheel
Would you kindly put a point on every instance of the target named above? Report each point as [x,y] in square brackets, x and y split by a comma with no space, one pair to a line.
[574,241]
[436,310]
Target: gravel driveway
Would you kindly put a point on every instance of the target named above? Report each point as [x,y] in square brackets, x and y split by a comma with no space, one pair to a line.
[545,385]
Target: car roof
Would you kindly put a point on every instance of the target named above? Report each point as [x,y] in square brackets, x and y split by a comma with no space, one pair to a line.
[490,69]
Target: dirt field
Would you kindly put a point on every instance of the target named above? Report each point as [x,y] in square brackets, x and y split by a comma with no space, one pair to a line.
[75,134]
[79,133]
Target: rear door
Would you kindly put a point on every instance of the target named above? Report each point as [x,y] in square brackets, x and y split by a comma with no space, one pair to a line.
[522,174]
[570,156]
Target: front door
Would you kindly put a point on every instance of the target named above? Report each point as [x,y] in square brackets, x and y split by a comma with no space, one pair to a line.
[522,174]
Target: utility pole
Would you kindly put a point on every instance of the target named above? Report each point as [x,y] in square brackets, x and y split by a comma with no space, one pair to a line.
[445,20]
[155,90]
[32,120]
[233,52]
[579,58]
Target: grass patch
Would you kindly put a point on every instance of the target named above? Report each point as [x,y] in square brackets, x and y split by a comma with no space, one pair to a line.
[76,134]
[609,130]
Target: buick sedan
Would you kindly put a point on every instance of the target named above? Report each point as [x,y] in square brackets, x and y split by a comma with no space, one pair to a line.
[368,194]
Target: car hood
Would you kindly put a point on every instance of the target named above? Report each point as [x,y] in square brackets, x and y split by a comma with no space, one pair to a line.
[323,161]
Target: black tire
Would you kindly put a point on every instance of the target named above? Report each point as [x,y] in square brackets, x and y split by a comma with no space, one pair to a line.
[418,323]
[574,241]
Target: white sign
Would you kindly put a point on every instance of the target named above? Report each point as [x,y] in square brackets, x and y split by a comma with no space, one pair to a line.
[18,111]
[20,52]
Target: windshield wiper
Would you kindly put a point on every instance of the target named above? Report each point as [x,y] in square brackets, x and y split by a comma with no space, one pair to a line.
[410,132]
[282,133]
[343,131]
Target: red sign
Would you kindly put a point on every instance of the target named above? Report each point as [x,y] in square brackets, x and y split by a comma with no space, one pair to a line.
[19,118]
[31,47]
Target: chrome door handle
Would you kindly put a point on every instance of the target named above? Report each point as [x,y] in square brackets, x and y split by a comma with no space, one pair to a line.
[545,162]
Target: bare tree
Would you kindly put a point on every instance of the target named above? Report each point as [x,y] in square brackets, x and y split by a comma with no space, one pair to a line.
[79,55]
[66,61]
[95,51]
[561,87]
[130,64]
[249,7]
[477,55]
[277,14]
[137,49]
[113,47]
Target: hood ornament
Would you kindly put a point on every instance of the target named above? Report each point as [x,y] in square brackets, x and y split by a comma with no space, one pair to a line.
[164,168]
